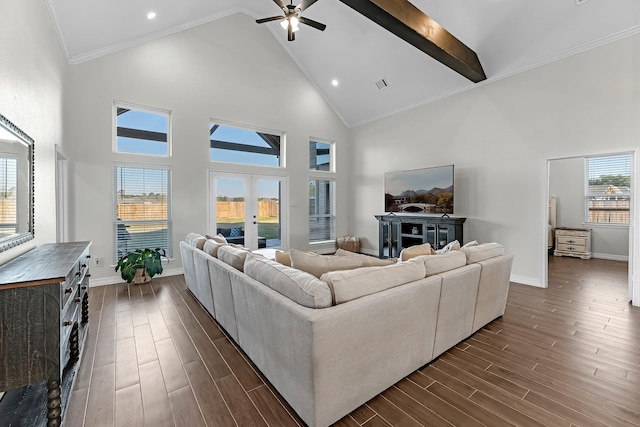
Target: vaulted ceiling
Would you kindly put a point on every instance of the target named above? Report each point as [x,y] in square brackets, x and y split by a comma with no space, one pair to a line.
[509,36]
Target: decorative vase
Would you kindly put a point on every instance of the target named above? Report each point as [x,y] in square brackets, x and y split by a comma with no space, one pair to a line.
[141,276]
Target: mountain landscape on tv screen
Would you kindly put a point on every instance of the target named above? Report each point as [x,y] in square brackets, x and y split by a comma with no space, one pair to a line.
[435,200]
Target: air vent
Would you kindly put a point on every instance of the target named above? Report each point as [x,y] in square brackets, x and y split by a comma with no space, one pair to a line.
[579,2]
[382,84]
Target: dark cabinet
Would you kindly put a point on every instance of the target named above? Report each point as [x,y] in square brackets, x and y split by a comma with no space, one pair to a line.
[398,231]
[44,318]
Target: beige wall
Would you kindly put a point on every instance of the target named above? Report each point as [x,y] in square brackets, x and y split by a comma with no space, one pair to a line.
[230,70]
[32,71]
[498,136]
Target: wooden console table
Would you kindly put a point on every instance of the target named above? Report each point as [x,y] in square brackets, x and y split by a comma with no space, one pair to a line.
[44,315]
[399,230]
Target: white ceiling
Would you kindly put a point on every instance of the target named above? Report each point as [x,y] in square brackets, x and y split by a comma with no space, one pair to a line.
[509,36]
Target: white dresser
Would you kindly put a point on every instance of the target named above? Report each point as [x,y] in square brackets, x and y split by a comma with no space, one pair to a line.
[574,242]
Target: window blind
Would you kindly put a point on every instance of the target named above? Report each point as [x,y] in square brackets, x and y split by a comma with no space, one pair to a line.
[8,191]
[608,189]
[142,209]
[321,210]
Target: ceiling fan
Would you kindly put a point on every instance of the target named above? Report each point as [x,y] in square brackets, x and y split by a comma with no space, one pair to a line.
[292,17]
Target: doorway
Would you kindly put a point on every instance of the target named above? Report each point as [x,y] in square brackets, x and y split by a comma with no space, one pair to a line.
[62,230]
[565,183]
[247,209]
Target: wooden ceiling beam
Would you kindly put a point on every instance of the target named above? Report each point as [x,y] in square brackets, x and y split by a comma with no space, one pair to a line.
[415,27]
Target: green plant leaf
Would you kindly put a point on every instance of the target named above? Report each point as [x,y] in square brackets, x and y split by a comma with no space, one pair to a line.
[151,259]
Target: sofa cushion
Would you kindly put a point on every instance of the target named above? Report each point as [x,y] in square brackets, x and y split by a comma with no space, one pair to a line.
[471,243]
[436,264]
[234,256]
[368,261]
[195,239]
[416,250]
[351,284]
[211,247]
[300,287]
[283,258]
[319,264]
[481,252]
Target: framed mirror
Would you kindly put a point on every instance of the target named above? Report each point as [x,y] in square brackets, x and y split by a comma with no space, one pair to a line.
[16,186]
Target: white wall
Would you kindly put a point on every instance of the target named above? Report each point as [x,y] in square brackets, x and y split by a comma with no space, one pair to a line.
[32,72]
[230,70]
[498,136]
[566,182]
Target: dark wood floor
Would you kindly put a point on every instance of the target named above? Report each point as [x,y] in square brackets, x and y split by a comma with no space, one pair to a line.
[568,355]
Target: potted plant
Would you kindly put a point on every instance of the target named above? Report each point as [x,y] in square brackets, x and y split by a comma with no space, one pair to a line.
[140,265]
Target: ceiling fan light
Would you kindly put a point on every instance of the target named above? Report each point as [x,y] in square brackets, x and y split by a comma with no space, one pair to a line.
[294,23]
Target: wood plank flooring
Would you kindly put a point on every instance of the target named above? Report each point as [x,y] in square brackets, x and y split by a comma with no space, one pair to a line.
[568,356]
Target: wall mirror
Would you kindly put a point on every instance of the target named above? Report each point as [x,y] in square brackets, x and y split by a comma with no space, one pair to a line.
[16,185]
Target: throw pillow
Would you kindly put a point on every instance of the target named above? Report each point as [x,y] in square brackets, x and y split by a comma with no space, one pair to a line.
[319,264]
[235,232]
[451,246]
[471,243]
[417,250]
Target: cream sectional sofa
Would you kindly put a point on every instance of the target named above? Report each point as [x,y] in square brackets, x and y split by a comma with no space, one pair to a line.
[330,344]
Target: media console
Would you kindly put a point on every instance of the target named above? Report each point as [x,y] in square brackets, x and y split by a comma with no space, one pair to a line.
[44,319]
[399,230]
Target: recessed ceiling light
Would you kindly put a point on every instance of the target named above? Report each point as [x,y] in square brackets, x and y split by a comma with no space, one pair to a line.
[151,15]
[334,82]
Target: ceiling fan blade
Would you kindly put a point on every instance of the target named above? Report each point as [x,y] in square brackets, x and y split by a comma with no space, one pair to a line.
[273,18]
[290,36]
[280,4]
[305,4]
[315,24]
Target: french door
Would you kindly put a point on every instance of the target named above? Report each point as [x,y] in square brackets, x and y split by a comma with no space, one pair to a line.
[247,209]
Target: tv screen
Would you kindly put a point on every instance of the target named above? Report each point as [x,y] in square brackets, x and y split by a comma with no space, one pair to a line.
[428,190]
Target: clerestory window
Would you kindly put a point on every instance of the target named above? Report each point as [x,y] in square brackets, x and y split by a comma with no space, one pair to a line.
[233,144]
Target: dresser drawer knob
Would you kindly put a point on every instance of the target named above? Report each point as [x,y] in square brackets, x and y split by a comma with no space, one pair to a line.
[68,290]
[68,322]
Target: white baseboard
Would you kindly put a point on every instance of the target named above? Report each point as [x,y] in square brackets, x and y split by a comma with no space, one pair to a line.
[114,280]
[372,252]
[610,257]
[531,281]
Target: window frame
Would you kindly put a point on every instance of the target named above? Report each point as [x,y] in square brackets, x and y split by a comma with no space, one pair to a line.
[144,109]
[118,223]
[588,196]
[332,156]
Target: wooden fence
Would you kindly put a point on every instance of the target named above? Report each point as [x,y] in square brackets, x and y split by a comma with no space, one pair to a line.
[226,210]
[229,210]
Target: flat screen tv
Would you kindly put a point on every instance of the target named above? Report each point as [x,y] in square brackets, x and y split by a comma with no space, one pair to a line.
[427,190]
